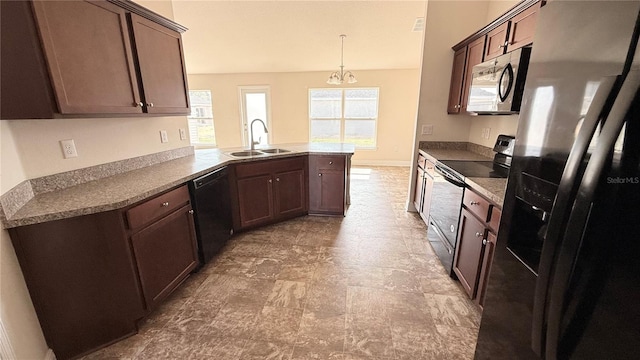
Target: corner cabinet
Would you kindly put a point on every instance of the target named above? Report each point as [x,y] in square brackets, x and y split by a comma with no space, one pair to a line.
[479,222]
[89,58]
[268,191]
[92,277]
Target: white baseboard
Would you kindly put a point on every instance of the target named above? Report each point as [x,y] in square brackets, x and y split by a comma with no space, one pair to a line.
[50,355]
[381,162]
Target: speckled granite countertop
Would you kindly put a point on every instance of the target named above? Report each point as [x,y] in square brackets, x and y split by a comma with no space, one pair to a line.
[127,188]
[491,188]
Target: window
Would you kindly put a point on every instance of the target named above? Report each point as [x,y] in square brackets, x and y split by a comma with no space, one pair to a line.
[344,115]
[200,120]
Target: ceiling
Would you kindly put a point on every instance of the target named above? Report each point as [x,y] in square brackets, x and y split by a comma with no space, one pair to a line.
[291,36]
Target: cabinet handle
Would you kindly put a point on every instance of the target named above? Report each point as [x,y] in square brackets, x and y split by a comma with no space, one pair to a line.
[475,203]
[277,179]
[478,234]
[165,204]
[150,104]
[270,181]
[484,241]
[140,104]
[319,174]
[330,162]
[191,211]
[458,106]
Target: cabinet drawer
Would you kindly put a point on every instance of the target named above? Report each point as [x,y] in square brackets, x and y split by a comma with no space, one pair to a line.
[330,162]
[494,220]
[157,207]
[476,204]
[269,166]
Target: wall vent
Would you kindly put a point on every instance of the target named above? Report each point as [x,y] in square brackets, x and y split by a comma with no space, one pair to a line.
[418,25]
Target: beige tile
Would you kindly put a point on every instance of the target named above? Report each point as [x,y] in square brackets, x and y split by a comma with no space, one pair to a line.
[412,340]
[321,331]
[219,348]
[263,350]
[170,345]
[327,299]
[312,353]
[277,324]
[368,335]
[452,311]
[289,294]
[234,320]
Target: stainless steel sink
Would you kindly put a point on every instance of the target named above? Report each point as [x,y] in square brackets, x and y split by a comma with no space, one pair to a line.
[274,151]
[245,153]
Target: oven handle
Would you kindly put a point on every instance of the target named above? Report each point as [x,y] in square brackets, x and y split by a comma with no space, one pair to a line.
[442,237]
[450,178]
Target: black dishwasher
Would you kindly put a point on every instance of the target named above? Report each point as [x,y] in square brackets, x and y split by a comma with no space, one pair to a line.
[212,212]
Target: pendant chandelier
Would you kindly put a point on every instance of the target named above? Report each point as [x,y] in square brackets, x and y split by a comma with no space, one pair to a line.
[339,77]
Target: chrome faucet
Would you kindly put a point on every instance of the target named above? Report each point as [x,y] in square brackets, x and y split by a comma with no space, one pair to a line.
[253,142]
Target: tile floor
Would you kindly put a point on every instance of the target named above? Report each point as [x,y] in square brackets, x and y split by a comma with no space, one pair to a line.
[366,286]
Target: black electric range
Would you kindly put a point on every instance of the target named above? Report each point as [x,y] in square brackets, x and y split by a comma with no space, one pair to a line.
[482,169]
[448,190]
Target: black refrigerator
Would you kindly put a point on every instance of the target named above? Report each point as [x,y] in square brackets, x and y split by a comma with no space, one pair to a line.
[565,279]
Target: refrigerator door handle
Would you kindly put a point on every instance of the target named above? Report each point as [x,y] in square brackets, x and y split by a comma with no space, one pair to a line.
[581,211]
[604,95]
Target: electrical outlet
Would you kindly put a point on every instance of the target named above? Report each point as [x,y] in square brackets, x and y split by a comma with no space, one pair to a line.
[183,134]
[68,148]
[164,138]
[427,129]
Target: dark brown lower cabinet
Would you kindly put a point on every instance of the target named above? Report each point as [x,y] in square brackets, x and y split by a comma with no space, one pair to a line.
[327,184]
[255,199]
[469,252]
[487,259]
[92,277]
[268,191]
[166,253]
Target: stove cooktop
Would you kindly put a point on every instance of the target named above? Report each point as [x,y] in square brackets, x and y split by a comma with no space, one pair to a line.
[482,169]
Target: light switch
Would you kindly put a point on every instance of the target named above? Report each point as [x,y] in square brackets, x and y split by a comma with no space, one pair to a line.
[427,129]
[183,134]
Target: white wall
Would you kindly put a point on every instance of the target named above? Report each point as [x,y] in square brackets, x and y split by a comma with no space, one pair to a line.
[290,115]
[16,310]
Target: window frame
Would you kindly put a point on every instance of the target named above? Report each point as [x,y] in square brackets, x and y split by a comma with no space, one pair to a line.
[199,145]
[344,119]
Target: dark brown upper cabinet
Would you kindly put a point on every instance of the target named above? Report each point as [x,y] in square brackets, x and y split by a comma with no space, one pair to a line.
[512,30]
[523,27]
[162,71]
[457,81]
[89,58]
[496,42]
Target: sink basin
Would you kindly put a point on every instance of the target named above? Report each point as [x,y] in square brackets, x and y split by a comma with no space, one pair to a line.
[274,151]
[245,153]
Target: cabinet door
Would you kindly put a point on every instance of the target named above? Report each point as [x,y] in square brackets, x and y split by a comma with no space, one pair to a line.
[523,27]
[487,259]
[475,50]
[290,193]
[467,260]
[457,81]
[419,189]
[165,253]
[88,53]
[426,198]
[255,200]
[327,192]
[496,42]
[164,79]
